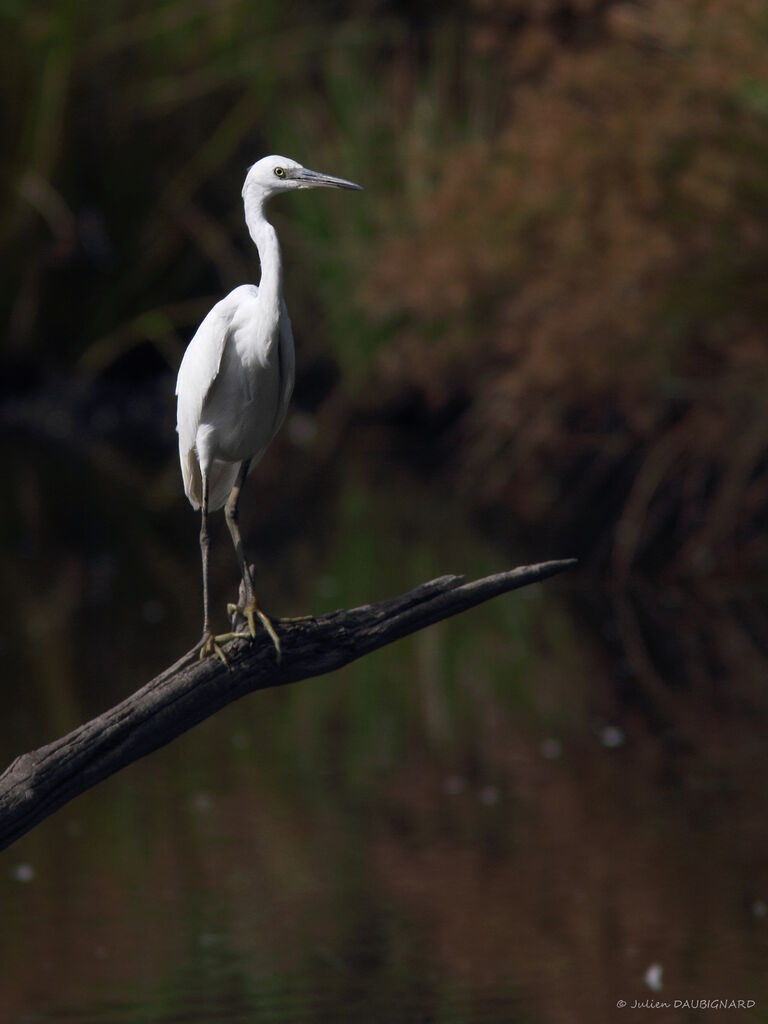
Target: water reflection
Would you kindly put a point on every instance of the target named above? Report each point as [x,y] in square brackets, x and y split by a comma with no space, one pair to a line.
[469,825]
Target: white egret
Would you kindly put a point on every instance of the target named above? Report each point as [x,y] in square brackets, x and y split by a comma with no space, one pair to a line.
[236,379]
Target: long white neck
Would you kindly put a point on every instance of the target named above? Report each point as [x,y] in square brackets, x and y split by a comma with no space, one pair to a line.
[265,239]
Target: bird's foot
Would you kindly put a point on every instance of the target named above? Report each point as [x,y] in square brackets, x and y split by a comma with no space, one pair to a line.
[210,645]
[250,612]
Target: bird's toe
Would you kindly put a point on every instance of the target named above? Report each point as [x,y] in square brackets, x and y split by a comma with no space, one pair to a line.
[210,645]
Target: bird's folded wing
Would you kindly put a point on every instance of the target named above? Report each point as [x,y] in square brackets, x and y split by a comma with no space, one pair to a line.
[287,358]
[199,369]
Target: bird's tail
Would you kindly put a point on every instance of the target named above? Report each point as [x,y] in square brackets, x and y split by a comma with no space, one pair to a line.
[221,479]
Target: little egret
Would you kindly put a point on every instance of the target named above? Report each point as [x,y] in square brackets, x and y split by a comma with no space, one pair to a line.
[236,379]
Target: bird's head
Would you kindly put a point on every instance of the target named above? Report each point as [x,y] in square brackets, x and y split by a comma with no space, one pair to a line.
[274,174]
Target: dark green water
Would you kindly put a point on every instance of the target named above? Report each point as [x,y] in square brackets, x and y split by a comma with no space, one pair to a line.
[470,825]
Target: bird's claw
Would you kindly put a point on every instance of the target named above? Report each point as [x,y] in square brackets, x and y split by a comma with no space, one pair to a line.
[250,613]
[210,645]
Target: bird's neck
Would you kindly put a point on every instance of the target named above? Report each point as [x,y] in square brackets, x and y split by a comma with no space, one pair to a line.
[265,239]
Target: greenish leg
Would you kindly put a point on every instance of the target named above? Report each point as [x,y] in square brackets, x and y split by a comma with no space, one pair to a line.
[208,644]
[251,610]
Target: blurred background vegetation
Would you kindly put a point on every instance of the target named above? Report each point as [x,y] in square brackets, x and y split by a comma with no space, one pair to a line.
[539,332]
[554,282]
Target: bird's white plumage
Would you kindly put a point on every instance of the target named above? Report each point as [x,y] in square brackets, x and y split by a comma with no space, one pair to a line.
[233,389]
[199,368]
[236,377]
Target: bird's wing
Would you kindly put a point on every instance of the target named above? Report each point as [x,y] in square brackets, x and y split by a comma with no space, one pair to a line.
[201,364]
[287,359]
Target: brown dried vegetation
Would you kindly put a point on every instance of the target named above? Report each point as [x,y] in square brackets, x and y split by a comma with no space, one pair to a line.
[591,280]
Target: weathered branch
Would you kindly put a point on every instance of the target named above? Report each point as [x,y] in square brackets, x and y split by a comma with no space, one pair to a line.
[40,782]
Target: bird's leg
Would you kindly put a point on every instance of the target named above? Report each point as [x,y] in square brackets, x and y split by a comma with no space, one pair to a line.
[250,610]
[208,643]
[232,515]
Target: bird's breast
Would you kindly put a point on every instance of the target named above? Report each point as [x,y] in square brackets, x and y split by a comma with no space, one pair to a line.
[254,343]
[241,407]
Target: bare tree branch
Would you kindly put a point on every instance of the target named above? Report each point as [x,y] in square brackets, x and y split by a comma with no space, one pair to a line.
[40,782]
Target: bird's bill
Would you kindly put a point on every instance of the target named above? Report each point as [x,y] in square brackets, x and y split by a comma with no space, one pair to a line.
[313,179]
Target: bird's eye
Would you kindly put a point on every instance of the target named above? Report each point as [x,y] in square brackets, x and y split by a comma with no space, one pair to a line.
[280,172]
